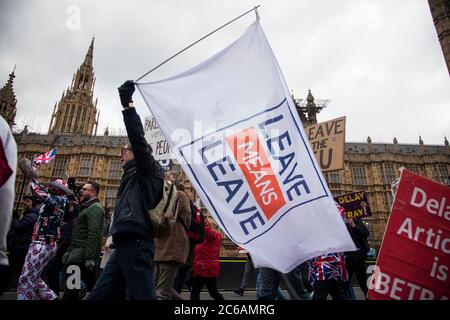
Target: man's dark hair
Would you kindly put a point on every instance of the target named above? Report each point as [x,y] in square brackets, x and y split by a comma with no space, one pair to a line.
[94,185]
[34,200]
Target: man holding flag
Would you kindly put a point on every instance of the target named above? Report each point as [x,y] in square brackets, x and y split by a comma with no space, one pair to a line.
[45,235]
[130,268]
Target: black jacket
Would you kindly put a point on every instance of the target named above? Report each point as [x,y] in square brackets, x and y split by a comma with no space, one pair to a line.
[359,235]
[69,221]
[140,188]
[22,229]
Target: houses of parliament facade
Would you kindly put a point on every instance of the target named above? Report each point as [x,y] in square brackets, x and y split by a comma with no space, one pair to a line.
[84,154]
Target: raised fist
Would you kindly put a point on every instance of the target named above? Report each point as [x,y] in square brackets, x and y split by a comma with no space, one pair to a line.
[126,91]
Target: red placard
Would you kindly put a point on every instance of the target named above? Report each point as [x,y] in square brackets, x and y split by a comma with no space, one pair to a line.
[414,259]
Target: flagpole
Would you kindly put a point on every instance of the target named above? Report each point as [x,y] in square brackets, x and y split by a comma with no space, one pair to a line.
[214,31]
[23,186]
[20,195]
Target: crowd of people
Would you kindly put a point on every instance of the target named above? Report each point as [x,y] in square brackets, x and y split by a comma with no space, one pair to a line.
[315,279]
[61,234]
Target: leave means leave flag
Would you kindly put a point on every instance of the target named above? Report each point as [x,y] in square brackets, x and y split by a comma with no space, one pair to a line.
[46,157]
[234,128]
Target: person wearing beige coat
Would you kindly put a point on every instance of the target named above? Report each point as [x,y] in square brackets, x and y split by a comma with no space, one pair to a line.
[172,252]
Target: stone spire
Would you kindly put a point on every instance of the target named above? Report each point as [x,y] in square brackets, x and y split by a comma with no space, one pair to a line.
[311,108]
[76,112]
[8,101]
[88,60]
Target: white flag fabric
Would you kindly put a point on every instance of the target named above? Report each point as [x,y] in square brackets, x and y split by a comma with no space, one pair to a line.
[234,128]
[8,165]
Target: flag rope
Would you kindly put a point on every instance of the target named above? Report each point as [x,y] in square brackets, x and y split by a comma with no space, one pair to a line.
[194,43]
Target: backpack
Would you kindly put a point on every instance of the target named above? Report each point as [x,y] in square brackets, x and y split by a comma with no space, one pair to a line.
[196,231]
[164,215]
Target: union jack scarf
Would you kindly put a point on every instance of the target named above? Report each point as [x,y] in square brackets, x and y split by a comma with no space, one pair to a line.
[46,157]
[329,266]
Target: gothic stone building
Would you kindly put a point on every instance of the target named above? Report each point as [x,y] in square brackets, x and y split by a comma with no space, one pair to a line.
[440,11]
[81,153]
[84,155]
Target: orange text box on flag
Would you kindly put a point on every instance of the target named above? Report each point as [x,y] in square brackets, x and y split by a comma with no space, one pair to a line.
[255,165]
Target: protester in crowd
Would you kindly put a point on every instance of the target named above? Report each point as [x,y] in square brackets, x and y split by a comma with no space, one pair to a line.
[172,251]
[248,269]
[21,233]
[184,275]
[56,267]
[130,267]
[304,269]
[270,281]
[196,235]
[46,233]
[279,295]
[327,274]
[85,248]
[108,248]
[356,260]
[107,222]
[206,266]
[8,164]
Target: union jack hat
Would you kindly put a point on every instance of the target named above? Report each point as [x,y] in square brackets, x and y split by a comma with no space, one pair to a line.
[61,185]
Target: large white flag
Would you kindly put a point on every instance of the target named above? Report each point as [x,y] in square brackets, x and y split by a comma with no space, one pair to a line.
[234,128]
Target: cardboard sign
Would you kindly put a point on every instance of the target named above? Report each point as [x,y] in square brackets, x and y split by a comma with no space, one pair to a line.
[355,204]
[414,257]
[154,136]
[327,140]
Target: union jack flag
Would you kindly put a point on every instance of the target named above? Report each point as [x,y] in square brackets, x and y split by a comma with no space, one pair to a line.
[46,157]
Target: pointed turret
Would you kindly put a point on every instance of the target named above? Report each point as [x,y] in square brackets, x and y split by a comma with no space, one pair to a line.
[8,101]
[311,108]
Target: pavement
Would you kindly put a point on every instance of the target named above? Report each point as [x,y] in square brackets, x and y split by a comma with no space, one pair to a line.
[227,294]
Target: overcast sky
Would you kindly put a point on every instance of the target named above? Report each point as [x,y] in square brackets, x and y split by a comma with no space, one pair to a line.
[378,61]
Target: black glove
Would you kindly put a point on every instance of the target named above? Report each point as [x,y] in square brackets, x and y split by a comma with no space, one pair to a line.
[126,91]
